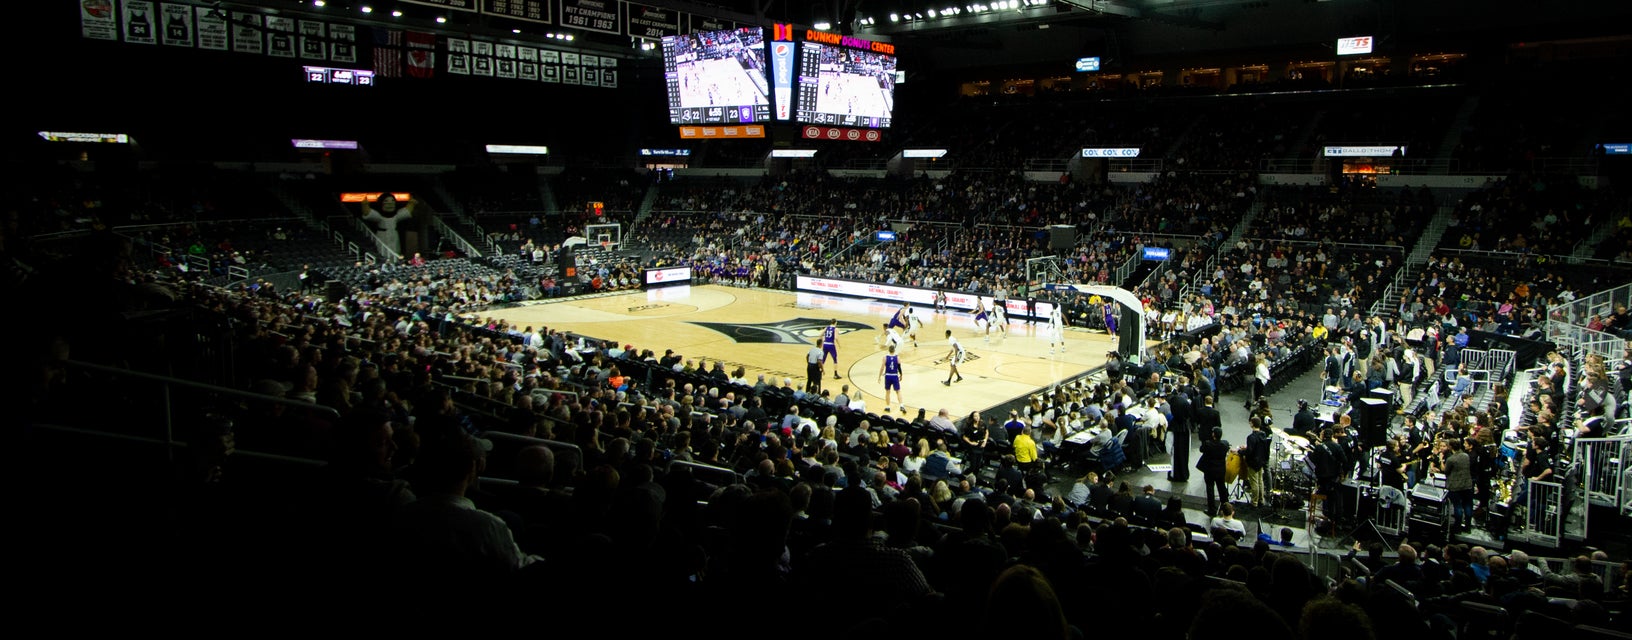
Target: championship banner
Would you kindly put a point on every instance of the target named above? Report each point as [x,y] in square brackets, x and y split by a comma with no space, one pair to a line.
[212,28]
[529,10]
[178,25]
[699,24]
[452,5]
[138,17]
[459,56]
[744,131]
[97,20]
[280,37]
[813,132]
[246,33]
[342,43]
[651,22]
[314,40]
[592,15]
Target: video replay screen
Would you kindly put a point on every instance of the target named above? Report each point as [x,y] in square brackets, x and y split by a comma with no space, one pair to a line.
[845,87]
[717,77]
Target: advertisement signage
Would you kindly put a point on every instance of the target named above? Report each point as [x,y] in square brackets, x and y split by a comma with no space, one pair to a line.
[915,295]
[1362,152]
[668,276]
[1111,153]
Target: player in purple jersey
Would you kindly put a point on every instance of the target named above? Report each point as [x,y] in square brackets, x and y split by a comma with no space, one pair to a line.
[900,317]
[830,345]
[890,374]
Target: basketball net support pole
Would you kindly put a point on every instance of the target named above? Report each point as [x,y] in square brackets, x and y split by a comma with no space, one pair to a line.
[1122,297]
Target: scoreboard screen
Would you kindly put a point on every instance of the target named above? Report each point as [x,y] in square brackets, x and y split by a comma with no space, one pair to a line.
[845,87]
[332,75]
[717,77]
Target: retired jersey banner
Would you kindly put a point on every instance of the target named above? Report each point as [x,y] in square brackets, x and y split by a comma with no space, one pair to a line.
[97,20]
[813,132]
[314,38]
[609,78]
[178,25]
[527,63]
[212,28]
[481,58]
[342,43]
[506,60]
[139,18]
[247,34]
[280,37]
[459,56]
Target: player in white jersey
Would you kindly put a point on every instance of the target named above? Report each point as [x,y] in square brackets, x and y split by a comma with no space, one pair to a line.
[914,323]
[893,339]
[1056,330]
[1000,319]
[953,357]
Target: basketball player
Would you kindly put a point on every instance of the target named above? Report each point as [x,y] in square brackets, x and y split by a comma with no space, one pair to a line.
[953,357]
[913,325]
[830,345]
[940,301]
[1000,317]
[890,374]
[893,339]
[900,317]
[1056,330]
[1110,317]
[982,320]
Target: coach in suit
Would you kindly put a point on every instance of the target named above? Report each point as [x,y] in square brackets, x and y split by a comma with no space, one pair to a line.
[1179,425]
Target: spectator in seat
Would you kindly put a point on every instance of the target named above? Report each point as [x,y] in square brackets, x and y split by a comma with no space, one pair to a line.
[443,534]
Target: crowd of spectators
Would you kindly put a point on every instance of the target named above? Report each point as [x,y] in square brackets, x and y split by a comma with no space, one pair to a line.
[1540,214]
[1350,213]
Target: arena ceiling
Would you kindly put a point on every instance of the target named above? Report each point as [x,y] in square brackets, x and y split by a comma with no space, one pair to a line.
[945,34]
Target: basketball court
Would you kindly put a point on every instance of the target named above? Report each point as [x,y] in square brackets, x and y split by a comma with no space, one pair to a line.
[769,332]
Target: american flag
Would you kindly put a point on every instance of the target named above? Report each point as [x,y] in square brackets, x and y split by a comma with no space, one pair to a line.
[387,53]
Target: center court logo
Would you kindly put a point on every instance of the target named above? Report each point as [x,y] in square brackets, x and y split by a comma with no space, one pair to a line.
[792,331]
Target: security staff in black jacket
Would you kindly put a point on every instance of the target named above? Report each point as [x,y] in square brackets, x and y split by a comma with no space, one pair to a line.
[1180,425]
[1331,465]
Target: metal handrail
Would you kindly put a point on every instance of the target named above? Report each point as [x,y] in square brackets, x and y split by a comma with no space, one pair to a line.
[166,382]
